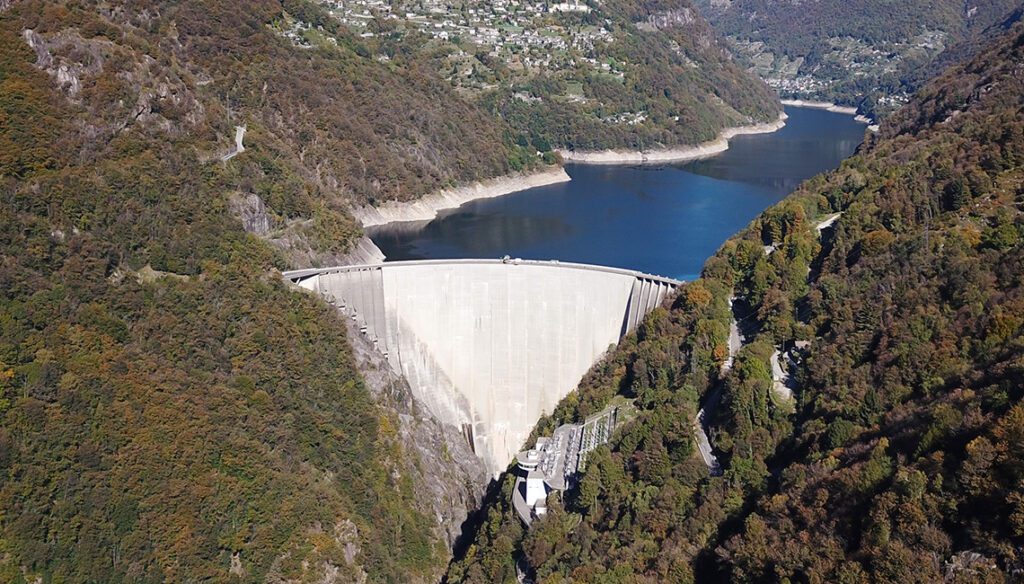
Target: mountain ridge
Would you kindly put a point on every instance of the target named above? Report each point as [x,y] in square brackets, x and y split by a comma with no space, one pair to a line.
[871,55]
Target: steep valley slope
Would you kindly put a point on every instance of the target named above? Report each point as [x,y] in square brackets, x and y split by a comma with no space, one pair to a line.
[169,409]
[629,74]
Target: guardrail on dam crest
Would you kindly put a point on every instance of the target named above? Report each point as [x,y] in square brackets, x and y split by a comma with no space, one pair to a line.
[490,345]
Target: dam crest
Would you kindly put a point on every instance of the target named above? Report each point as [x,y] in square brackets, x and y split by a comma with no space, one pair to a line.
[490,345]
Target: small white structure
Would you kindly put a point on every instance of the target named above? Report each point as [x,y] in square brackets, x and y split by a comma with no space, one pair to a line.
[553,463]
[529,459]
[536,492]
[571,6]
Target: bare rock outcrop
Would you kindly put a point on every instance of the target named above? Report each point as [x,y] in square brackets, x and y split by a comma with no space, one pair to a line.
[253,212]
[290,236]
[163,100]
[669,19]
[450,478]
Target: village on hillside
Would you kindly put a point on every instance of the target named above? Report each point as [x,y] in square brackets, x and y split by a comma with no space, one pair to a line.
[525,36]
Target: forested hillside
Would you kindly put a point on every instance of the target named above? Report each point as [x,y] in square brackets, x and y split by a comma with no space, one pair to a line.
[674,82]
[893,452]
[334,119]
[170,411]
[635,74]
[326,127]
[869,54]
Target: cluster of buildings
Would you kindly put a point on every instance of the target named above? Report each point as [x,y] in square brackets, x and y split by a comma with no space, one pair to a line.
[494,23]
[555,461]
[848,60]
[526,35]
[800,85]
[627,118]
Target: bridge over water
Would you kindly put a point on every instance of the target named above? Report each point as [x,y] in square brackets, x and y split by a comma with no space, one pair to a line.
[490,345]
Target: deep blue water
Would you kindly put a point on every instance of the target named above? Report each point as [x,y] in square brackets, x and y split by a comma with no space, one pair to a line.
[664,220]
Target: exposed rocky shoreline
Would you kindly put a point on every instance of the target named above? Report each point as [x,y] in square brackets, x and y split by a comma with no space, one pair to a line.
[825,105]
[836,109]
[679,154]
[365,252]
[428,207]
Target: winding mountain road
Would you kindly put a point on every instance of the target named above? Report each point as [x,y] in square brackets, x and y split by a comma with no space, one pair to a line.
[701,426]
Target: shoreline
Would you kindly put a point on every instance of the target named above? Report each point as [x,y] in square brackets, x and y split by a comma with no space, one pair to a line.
[427,208]
[677,154]
[364,252]
[822,105]
[836,109]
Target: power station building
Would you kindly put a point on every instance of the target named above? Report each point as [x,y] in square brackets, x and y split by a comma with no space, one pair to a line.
[554,462]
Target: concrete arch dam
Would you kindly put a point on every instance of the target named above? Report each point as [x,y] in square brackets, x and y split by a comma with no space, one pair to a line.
[490,345]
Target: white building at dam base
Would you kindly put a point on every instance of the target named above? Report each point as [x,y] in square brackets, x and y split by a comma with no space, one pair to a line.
[554,462]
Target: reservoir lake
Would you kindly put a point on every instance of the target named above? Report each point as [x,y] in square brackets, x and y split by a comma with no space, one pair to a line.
[664,220]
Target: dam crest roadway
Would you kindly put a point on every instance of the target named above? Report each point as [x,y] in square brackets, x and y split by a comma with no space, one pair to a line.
[490,345]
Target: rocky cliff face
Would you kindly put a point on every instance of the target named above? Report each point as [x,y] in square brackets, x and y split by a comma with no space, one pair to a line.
[450,479]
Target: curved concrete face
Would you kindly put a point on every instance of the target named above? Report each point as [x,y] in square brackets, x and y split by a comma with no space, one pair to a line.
[490,346]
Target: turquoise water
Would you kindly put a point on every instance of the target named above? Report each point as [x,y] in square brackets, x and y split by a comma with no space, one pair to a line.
[664,220]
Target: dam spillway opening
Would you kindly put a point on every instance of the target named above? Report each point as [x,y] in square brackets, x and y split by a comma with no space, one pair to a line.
[490,345]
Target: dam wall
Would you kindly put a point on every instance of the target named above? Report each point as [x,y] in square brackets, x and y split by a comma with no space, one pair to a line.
[490,345]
